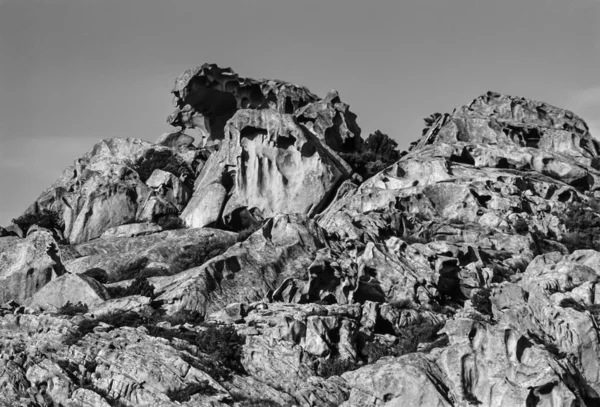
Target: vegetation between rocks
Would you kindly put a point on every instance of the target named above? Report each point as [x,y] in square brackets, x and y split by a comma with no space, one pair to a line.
[379,152]
[213,348]
[165,160]
[582,221]
[46,218]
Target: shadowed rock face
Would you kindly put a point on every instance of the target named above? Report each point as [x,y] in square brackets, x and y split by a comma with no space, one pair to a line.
[206,97]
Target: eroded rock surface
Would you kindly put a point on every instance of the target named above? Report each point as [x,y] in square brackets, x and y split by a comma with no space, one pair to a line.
[267,164]
[464,274]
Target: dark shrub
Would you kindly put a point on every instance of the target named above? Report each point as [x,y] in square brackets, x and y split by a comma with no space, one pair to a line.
[139,286]
[429,121]
[47,218]
[481,301]
[188,391]
[73,309]
[221,344]
[224,345]
[379,152]
[165,160]
[571,303]
[335,366]
[196,255]
[170,222]
[185,317]
[382,146]
[98,274]
[407,342]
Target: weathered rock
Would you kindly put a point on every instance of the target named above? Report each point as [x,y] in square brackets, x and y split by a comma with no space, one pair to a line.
[68,288]
[119,257]
[269,165]
[207,96]
[27,265]
[333,122]
[103,188]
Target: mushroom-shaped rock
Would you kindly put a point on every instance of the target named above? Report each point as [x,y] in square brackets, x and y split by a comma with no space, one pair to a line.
[333,122]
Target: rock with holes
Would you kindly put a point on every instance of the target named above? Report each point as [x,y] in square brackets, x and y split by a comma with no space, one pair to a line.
[268,164]
[27,265]
[207,96]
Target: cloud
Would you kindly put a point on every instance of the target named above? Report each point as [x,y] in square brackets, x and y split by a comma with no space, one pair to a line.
[586,104]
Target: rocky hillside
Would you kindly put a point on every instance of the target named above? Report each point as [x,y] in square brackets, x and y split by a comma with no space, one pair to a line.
[253,267]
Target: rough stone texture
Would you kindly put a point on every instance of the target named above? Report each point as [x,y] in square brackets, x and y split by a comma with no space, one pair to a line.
[67,288]
[207,96]
[269,165]
[27,265]
[102,190]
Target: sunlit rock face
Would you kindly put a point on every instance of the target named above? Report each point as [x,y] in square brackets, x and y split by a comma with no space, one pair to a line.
[267,164]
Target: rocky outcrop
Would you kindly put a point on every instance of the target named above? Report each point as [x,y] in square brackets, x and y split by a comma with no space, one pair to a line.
[106,187]
[206,97]
[122,257]
[267,164]
[465,273]
[27,265]
[68,288]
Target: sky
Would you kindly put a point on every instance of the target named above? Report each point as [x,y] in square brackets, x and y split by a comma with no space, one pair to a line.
[73,72]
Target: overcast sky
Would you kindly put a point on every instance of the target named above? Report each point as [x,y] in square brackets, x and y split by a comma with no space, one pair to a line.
[73,72]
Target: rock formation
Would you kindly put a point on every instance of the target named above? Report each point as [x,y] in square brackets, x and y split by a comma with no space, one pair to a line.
[466,273]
